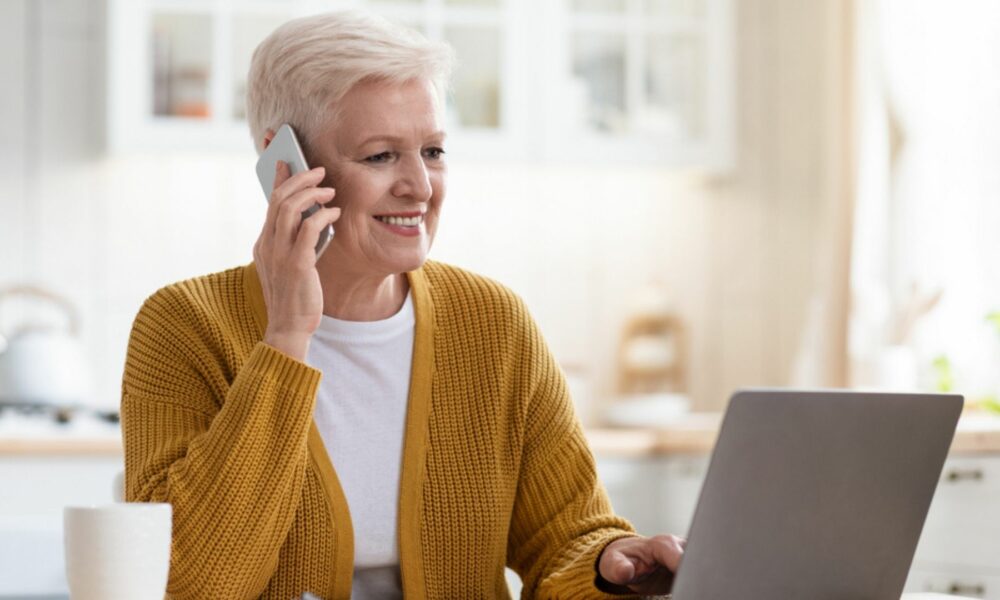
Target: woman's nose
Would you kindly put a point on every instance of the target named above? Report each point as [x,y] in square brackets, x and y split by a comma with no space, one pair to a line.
[413,180]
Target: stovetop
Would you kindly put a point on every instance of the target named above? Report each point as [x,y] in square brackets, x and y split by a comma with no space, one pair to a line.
[31,421]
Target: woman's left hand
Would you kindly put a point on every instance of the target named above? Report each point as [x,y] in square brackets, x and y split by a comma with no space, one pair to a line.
[643,565]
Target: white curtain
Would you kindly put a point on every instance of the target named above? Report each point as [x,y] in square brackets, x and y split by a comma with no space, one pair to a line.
[927,203]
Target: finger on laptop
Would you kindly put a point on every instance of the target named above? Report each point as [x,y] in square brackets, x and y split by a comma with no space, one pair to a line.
[667,550]
[617,563]
[632,559]
[620,568]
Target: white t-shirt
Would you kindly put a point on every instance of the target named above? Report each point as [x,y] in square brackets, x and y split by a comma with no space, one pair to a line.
[361,414]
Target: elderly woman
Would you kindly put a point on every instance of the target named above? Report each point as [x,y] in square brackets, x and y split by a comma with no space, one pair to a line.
[370,423]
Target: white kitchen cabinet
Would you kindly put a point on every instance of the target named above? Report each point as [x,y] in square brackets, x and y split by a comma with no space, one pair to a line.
[967,584]
[178,68]
[632,486]
[680,487]
[624,81]
[963,525]
[959,550]
[640,81]
[657,494]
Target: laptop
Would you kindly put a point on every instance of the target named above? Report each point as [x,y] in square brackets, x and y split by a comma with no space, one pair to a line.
[816,495]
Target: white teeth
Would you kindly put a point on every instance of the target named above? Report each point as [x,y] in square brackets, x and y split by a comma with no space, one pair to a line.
[402,221]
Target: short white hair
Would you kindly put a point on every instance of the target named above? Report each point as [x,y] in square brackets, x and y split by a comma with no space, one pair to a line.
[305,66]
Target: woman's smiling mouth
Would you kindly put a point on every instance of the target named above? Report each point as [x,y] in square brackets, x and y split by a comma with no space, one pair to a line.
[407,224]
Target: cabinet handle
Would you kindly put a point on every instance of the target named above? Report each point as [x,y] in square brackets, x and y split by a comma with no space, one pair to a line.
[967,589]
[973,590]
[957,475]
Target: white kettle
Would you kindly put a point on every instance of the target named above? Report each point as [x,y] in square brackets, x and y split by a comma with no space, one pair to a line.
[43,364]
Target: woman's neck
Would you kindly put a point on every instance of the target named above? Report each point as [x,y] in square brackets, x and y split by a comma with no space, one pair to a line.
[362,297]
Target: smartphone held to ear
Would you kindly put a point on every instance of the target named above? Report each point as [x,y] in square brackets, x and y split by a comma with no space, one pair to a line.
[285,147]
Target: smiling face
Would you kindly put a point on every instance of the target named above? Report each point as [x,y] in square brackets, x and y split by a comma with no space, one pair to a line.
[383,153]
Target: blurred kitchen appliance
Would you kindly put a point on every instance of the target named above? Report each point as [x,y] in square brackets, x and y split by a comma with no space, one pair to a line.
[43,364]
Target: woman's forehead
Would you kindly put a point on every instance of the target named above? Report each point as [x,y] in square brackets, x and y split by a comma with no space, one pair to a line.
[384,111]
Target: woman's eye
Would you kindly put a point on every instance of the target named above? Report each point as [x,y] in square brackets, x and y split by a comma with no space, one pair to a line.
[380,157]
[434,153]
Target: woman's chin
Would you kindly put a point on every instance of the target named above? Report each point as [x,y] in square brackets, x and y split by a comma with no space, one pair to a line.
[376,259]
[404,263]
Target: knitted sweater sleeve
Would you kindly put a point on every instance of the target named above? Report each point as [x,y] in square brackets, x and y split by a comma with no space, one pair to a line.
[562,518]
[228,451]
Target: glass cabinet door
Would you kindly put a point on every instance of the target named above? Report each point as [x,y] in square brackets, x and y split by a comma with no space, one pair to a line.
[646,80]
[599,67]
[641,63]
[192,58]
[673,94]
[181,64]
[475,29]
[475,97]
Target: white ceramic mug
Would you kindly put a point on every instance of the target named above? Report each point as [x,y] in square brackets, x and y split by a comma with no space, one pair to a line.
[118,551]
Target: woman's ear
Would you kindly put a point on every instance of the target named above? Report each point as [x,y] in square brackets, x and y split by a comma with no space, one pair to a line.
[268,136]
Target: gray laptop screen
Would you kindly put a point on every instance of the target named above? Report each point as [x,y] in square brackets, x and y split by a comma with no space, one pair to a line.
[816,495]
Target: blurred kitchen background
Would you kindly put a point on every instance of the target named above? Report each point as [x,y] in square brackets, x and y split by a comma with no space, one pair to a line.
[692,196]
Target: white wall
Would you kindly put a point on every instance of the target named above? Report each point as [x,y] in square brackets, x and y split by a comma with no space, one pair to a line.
[13,40]
[52,114]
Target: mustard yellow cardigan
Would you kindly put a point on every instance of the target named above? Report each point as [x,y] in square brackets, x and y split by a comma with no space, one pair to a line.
[495,471]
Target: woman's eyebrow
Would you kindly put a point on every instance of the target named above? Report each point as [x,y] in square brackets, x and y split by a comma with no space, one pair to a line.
[437,135]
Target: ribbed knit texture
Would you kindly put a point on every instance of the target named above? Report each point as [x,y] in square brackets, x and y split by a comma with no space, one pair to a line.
[496,469]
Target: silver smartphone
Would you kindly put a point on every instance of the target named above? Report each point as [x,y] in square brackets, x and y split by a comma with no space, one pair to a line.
[285,147]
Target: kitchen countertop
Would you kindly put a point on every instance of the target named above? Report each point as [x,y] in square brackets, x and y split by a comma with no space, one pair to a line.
[56,445]
[34,435]
[694,433]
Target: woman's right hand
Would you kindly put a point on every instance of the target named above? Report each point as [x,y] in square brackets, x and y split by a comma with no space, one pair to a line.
[285,256]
